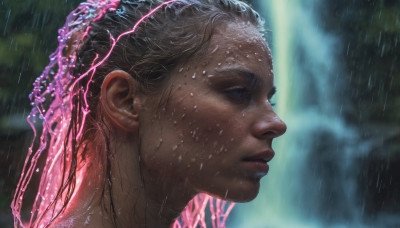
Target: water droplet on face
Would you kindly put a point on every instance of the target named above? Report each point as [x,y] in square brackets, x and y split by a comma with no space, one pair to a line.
[219,64]
[220,132]
[160,142]
[259,60]
[194,76]
[175,122]
[174,147]
[204,72]
[180,158]
[227,52]
[181,69]
[191,94]
[210,156]
[215,49]
[195,107]
[201,166]
[247,56]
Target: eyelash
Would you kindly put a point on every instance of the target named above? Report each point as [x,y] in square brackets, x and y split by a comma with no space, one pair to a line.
[242,94]
[238,93]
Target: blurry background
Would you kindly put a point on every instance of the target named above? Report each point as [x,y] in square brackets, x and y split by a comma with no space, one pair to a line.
[337,68]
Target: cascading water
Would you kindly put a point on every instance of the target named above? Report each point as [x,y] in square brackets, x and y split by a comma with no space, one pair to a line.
[310,183]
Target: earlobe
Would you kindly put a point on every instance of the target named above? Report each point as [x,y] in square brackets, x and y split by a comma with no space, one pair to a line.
[119,100]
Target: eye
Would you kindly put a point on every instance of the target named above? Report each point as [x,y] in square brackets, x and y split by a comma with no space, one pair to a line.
[272,101]
[239,93]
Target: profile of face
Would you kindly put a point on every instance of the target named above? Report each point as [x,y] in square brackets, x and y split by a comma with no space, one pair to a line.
[211,129]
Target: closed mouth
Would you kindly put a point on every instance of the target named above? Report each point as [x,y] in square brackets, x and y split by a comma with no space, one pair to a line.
[262,160]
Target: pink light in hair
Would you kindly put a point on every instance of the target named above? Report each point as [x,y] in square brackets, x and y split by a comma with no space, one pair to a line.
[61,86]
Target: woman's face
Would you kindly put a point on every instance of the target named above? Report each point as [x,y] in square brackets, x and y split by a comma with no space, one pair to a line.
[212,129]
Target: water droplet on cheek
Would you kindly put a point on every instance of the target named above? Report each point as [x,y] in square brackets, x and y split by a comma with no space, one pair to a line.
[191,94]
[204,72]
[160,142]
[194,76]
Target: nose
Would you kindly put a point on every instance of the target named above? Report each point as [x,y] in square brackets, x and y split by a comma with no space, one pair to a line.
[268,124]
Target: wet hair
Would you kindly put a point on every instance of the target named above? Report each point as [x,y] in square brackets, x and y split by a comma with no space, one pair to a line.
[115,38]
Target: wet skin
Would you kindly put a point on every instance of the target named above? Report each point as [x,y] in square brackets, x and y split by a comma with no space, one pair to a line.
[209,130]
[213,128]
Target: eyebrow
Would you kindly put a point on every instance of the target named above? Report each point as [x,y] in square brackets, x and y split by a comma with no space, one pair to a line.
[253,78]
[245,74]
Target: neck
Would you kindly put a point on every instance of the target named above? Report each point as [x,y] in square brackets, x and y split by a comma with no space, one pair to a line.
[135,198]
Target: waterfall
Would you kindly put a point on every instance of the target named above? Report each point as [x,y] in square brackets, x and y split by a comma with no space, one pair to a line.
[311,182]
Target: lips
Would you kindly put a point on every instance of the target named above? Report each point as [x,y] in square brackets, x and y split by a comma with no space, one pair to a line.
[263,157]
[256,164]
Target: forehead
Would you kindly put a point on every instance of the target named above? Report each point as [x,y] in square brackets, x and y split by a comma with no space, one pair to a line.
[240,36]
[237,43]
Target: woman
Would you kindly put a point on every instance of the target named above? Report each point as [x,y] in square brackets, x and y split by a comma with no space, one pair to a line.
[152,104]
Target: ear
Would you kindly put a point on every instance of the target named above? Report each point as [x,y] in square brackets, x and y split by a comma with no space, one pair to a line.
[119,101]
